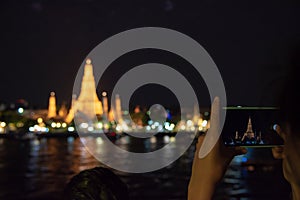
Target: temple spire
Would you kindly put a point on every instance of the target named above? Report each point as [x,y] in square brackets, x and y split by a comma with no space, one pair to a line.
[249,126]
[249,132]
[88,102]
[118,116]
[52,106]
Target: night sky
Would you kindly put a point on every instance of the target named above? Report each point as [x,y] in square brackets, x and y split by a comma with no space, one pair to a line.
[43,43]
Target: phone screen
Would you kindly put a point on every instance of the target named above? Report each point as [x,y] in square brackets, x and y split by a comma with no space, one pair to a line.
[251,126]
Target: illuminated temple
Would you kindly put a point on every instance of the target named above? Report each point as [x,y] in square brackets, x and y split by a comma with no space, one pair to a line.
[249,134]
[88,103]
[94,115]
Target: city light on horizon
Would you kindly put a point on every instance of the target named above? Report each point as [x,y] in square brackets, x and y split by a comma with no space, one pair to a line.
[58,119]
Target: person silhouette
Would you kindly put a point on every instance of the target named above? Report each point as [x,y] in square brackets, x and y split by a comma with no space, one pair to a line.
[203,182]
[289,130]
[98,183]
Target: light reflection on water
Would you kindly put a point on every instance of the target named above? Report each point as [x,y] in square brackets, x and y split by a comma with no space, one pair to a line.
[39,169]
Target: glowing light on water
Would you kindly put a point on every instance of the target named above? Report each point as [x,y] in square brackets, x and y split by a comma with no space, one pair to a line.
[99,140]
[153,139]
[172,139]
[70,139]
[166,139]
[36,142]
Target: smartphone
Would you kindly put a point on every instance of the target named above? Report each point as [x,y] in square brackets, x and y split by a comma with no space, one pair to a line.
[251,126]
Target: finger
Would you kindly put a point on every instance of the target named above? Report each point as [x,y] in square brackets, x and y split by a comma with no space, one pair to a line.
[277,152]
[279,131]
[213,132]
[240,151]
[196,159]
[200,139]
[234,151]
[199,144]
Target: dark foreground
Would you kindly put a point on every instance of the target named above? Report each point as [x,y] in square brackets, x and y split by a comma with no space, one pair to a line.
[40,168]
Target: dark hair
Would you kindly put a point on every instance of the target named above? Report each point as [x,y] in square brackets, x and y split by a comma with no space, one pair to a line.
[98,183]
[290,97]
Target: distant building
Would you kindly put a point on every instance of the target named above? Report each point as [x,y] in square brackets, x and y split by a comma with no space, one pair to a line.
[87,104]
[249,137]
[118,111]
[105,106]
[249,134]
[63,111]
[52,106]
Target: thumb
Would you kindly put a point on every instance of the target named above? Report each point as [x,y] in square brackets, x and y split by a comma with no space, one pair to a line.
[280,132]
[213,132]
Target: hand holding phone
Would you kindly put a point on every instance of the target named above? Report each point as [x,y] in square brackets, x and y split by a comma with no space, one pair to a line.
[251,126]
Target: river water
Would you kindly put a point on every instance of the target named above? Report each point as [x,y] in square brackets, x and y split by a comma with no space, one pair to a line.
[40,169]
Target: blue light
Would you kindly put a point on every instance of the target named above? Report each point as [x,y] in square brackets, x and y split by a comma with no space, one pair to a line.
[275,127]
[169,115]
[244,159]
